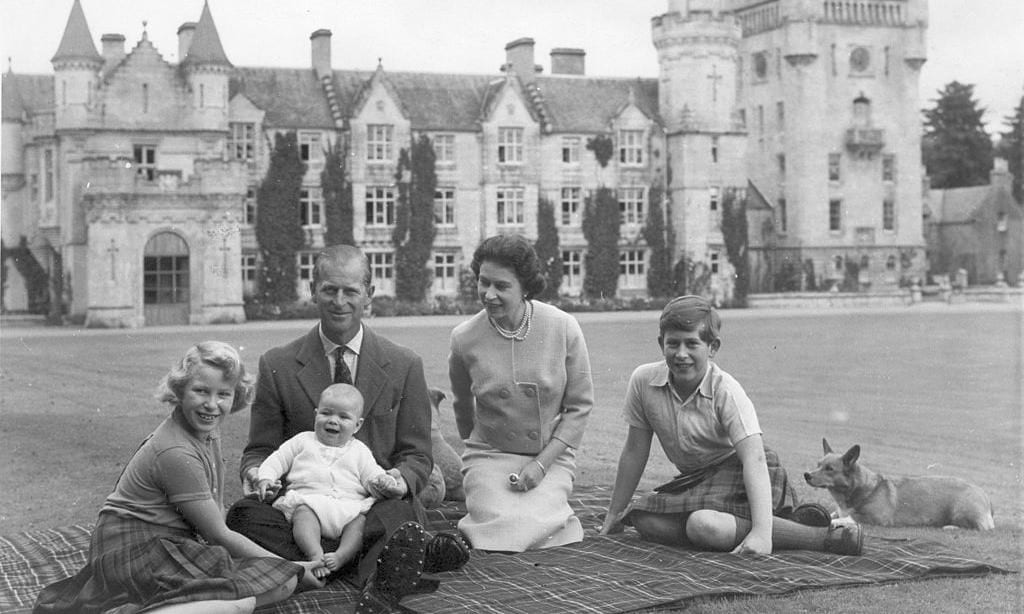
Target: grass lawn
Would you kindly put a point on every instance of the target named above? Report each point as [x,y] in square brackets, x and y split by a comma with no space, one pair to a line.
[923,391]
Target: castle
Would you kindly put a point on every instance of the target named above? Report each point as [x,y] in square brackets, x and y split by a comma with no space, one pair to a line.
[131,181]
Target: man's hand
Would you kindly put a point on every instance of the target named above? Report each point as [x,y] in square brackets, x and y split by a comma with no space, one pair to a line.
[251,482]
[391,485]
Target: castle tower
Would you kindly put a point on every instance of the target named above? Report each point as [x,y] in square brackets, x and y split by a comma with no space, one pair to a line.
[207,71]
[76,68]
[698,52]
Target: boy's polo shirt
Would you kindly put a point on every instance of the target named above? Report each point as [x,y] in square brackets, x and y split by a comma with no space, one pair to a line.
[696,432]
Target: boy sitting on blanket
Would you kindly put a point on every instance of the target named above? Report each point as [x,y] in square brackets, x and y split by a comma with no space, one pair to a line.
[729,485]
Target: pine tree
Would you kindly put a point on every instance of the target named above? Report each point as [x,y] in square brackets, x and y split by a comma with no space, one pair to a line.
[956,149]
[734,233]
[601,229]
[657,234]
[1011,147]
[414,224]
[337,193]
[279,226]
[548,250]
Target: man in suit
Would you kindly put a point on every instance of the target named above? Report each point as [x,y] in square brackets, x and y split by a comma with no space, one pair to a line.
[396,428]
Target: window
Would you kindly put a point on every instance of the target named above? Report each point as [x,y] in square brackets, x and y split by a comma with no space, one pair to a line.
[306,262]
[242,142]
[714,197]
[249,207]
[310,149]
[248,274]
[888,167]
[510,206]
[780,115]
[631,147]
[311,206]
[382,265]
[760,123]
[631,205]
[837,264]
[781,158]
[865,263]
[202,95]
[510,145]
[833,167]
[835,215]
[572,269]
[888,214]
[716,262]
[145,98]
[782,215]
[379,142]
[380,206]
[714,150]
[444,148]
[33,187]
[444,206]
[631,269]
[49,178]
[890,263]
[444,271]
[570,149]
[570,208]
[145,161]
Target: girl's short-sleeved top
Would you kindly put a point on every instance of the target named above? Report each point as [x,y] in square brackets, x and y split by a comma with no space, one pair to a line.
[172,466]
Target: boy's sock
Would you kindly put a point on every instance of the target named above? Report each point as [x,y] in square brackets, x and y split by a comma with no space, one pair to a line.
[787,535]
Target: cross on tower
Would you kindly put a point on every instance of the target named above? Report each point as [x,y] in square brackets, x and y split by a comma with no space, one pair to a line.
[112,250]
[715,78]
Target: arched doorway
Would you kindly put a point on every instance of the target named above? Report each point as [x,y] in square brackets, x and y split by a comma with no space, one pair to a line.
[165,280]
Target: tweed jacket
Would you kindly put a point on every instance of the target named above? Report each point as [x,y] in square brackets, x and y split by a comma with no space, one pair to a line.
[517,395]
[397,412]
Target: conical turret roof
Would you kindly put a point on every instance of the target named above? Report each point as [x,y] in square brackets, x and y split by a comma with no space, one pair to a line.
[206,47]
[77,43]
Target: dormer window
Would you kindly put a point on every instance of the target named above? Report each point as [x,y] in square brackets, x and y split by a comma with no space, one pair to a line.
[631,147]
[310,149]
[1001,225]
[379,142]
[510,145]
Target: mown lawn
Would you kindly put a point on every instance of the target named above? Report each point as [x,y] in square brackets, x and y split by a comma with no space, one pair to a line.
[923,391]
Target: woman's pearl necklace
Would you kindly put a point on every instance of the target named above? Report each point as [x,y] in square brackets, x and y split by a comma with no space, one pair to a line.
[519,334]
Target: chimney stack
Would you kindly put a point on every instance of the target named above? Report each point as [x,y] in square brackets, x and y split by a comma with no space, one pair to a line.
[565,61]
[519,58]
[185,33]
[320,46]
[113,48]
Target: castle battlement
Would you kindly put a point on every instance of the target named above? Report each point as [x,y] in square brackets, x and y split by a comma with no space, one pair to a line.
[121,175]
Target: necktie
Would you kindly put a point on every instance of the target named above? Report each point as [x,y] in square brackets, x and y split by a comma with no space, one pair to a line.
[341,373]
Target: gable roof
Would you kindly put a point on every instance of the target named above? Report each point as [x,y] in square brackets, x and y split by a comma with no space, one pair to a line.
[589,104]
[206,47]
[290,97]
[77,43]
[954,205]
[25,93]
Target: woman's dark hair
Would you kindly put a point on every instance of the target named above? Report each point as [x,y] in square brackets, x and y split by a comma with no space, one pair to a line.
[516,253]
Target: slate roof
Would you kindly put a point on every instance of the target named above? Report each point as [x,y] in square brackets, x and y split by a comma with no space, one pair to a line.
[77,43]
[290,97]
[23,93]
[954,205]
[588,104]
[206,47]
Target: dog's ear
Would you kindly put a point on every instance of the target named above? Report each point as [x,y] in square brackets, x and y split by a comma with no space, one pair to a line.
[851,455]
[825,446]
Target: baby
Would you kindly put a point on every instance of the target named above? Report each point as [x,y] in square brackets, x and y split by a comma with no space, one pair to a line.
[330,478]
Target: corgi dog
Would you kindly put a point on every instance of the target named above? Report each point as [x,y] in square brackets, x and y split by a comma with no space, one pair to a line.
[447,462]
[897,501]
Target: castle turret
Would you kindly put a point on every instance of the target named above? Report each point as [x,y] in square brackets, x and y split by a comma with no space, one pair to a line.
[697,48]
[76,68]
[207,70]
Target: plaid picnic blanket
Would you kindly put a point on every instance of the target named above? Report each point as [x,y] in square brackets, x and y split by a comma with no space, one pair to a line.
[607,574]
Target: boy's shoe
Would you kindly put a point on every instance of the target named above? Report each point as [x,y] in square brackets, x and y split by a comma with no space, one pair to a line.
[446,551]
[845,539]
[812,515]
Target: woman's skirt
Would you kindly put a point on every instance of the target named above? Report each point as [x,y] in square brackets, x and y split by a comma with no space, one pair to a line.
[134,566]
[499,518]
[718,488]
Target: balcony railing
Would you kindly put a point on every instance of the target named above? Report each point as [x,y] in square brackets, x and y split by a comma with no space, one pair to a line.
[865,141]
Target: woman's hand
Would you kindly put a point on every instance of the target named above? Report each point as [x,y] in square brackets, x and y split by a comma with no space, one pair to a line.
[528,477]
[754,544]
[612,524]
